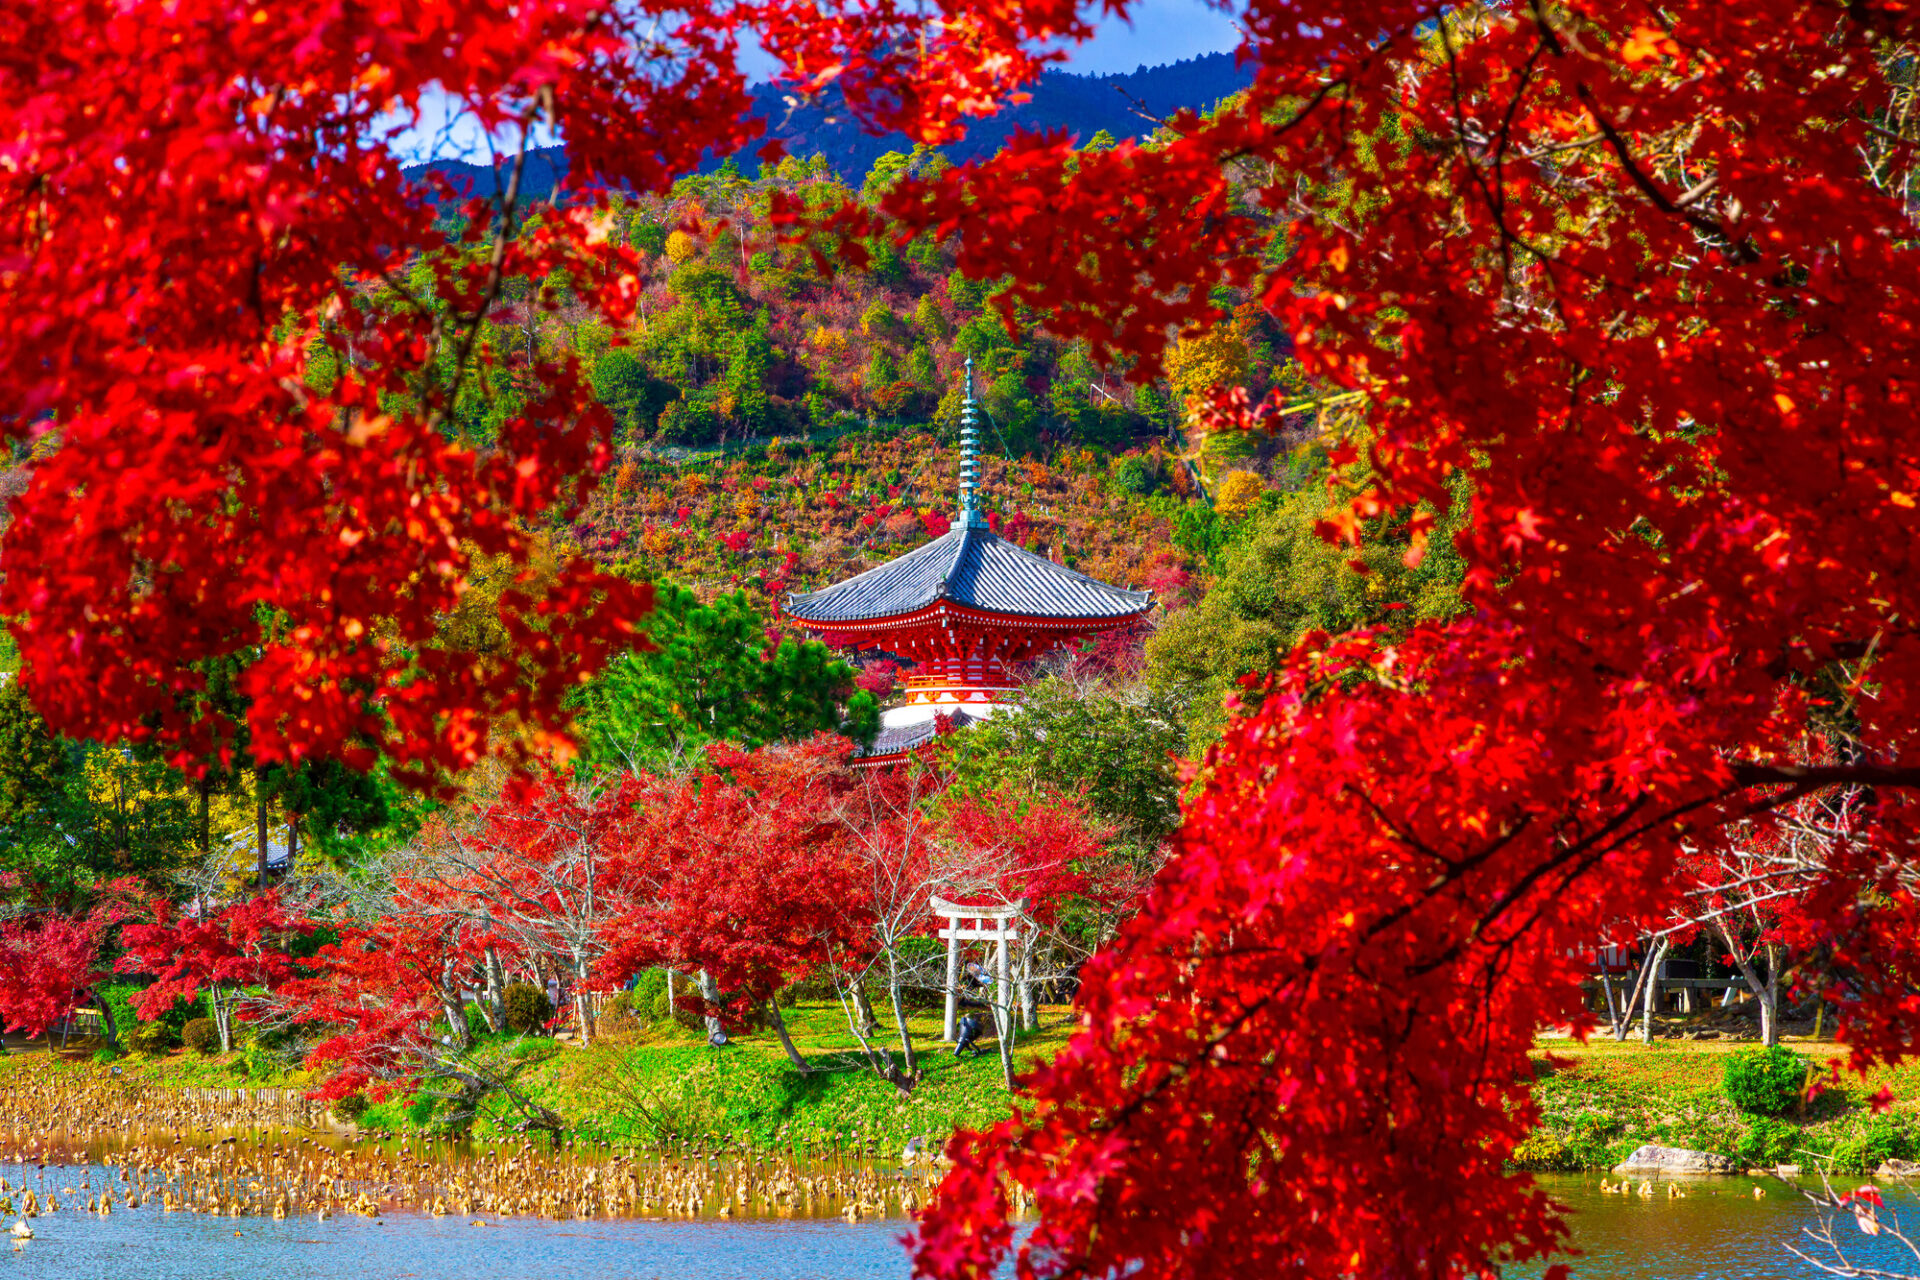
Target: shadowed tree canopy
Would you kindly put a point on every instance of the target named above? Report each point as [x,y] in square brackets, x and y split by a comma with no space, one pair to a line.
[715,672]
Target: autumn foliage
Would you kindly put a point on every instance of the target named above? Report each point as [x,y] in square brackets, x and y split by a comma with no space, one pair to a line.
[49,965]
[1637,271]
[1641,273]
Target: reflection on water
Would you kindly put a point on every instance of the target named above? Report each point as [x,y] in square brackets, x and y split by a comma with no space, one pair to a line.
[179,1246]
[286,1174]
[1718,1232]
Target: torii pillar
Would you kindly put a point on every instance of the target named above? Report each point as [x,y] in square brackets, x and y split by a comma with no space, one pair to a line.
[992,924]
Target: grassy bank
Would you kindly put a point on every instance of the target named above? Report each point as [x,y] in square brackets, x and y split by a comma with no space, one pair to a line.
[1598,1101]
[1601,1100]
[666,1081]
[641,1084]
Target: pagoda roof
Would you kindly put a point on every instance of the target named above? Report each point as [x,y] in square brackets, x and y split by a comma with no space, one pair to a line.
[977,569]
[909,737]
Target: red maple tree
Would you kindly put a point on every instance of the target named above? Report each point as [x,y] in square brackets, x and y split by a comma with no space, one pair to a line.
[737,872]
[1638,272]
[49,965]
[211,951]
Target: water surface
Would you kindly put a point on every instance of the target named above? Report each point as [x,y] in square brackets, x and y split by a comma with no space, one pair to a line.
[181,1246]
[1719,1231]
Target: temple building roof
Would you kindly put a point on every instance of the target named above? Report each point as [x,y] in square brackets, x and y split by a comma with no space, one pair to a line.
[975,568]
[900,739]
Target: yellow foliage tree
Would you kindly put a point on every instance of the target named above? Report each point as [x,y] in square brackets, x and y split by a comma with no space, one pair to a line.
[1237,493]
[680,248]
[1217,358]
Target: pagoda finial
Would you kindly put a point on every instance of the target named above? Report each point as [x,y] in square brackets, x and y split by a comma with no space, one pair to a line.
[970,514]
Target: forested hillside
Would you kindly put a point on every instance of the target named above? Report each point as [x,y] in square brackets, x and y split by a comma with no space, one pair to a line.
[1123,105]
[787,417]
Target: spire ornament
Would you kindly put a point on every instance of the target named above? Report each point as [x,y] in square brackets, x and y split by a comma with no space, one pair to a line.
[971,516]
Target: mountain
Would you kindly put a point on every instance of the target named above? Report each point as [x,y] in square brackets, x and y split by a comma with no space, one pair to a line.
[1082,105]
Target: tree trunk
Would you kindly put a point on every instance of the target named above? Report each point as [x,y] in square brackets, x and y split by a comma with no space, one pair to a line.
[1770,1000]
[780,1030]
[709,991]
[900,1016]
[869,1021]
[1650,1002]
[456,1010]
[1029,993]
[260,829]
[1624,1023]
[583,1002]
[1613,1012]
[1003,1021]
[219,1002]
[496,991]
[1766,991]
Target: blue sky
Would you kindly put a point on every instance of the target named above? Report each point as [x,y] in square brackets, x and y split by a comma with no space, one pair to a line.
[1159,32]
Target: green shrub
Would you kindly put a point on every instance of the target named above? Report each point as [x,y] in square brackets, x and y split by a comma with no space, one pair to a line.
[1765,1082]
[528,1009]
[1879,1139]
[1767,1142]
[651,984]
[201,1036]
[1541,1149]
[105,1054]
[119,997]
[349,1109]
[1135,475]
[148,1039]
[682,1014]
[620,1013]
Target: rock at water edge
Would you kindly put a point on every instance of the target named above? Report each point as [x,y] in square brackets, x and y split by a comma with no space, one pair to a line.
[1657,1159]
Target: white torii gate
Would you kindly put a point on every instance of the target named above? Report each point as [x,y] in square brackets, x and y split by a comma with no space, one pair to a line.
[992,924]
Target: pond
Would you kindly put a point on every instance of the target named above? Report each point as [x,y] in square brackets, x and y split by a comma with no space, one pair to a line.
[1717,1231]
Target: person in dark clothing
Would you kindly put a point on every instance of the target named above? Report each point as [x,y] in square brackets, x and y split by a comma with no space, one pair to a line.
[969,1035]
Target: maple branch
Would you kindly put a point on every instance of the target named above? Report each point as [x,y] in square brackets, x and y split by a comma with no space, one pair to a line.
[503,233]
[1807,777]
[1617,143]
[1139,108]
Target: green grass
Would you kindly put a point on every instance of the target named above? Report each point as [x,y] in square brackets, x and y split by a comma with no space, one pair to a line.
[1601,1100]
[180,1069]
[666,1081]
[1598,1101]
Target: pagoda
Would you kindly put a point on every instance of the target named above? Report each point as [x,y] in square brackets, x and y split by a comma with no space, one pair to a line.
[968,609]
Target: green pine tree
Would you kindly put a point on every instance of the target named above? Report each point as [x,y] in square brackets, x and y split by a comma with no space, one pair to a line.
[712,677]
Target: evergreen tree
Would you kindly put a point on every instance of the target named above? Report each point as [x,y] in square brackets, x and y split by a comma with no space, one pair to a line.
[33,764]
[715,675]
[747,371]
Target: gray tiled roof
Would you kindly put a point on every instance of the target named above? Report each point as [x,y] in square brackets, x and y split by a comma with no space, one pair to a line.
[908,736]
[971,567]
